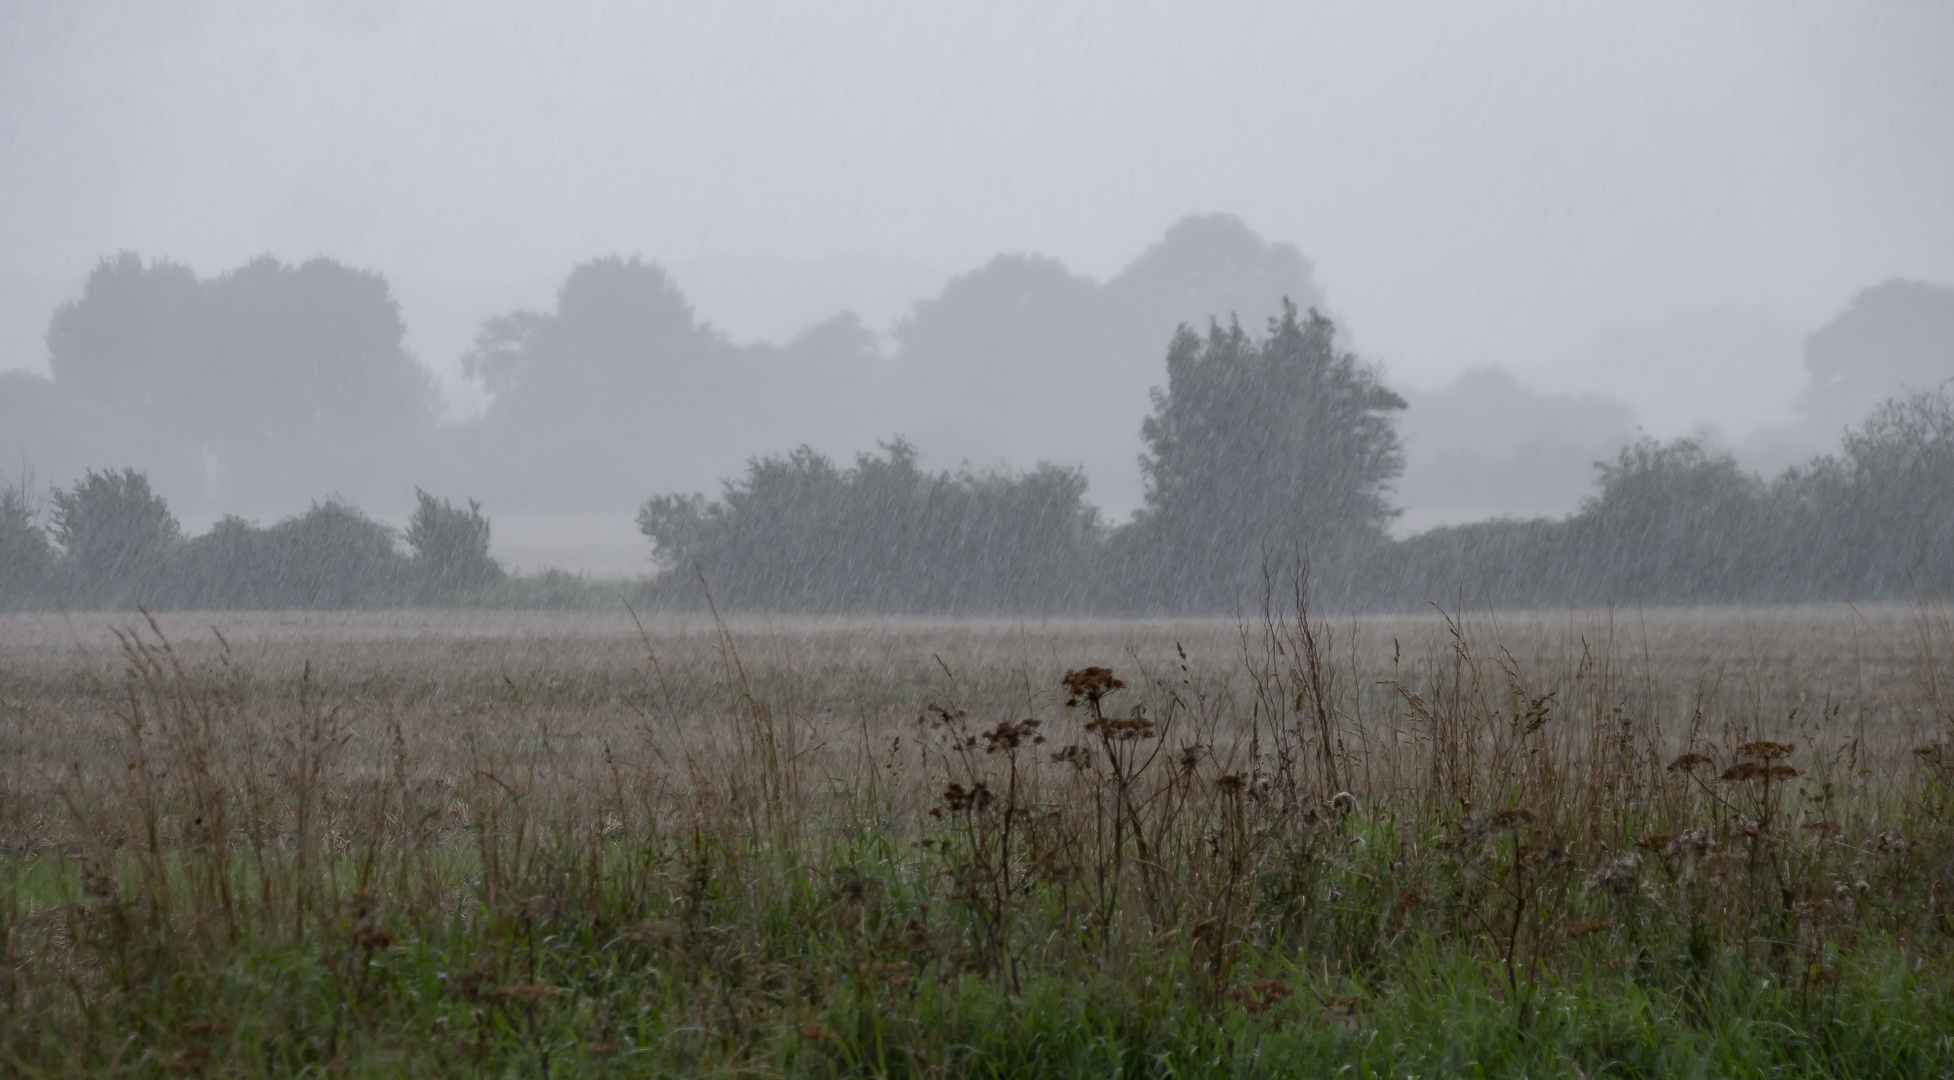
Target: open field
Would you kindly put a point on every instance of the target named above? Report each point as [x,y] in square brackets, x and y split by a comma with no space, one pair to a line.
[1676,841]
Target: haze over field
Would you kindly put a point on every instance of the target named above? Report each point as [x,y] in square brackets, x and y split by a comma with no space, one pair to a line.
[1553,229]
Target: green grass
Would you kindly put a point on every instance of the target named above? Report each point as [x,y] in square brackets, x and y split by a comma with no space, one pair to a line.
[756,967]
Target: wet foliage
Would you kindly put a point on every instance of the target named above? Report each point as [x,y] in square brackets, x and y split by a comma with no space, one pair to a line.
[118,546]
[1680,523]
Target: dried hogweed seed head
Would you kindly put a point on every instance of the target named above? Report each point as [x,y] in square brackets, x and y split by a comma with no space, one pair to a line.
[1765,750]
[1688,762]
[1076,756]
[1090,684]
[1009,736]
[1122,729]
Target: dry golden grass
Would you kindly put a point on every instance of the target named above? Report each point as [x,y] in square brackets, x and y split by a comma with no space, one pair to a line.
[609,690]
[647,687]
[1227,804]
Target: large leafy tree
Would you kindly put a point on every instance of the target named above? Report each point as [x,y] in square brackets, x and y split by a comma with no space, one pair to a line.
[1672,521]
[1283,444]
[248,387]
[1042,362]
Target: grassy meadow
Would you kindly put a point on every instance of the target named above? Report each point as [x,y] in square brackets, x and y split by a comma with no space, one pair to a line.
[1705,842]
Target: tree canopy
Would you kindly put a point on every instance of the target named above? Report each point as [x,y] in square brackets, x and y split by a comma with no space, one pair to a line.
[241,386]
[1284,443]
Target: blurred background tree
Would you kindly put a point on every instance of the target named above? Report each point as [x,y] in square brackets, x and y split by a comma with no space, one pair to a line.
[238,389]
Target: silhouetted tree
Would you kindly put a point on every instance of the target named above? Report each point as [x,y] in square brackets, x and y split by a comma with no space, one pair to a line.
[451,546]
[231,567]
[1284,443]
[1041,362]
[330,557]
[1679,522]
[117,537]
[26,558]
[335,557]
[1673,521]
[1894,503]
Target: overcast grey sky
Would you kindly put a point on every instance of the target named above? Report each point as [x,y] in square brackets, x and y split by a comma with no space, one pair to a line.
[1476,183]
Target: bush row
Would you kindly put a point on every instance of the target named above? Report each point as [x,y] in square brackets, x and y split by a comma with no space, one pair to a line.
[113,543]
[1672,523]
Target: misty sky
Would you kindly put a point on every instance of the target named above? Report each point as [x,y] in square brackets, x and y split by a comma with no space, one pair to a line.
[1546,187]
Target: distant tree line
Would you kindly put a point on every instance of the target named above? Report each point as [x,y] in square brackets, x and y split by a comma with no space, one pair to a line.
[1258,447]
[1681,523]
[112,543]
[1285,439]
[1262,451]
[253,389]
